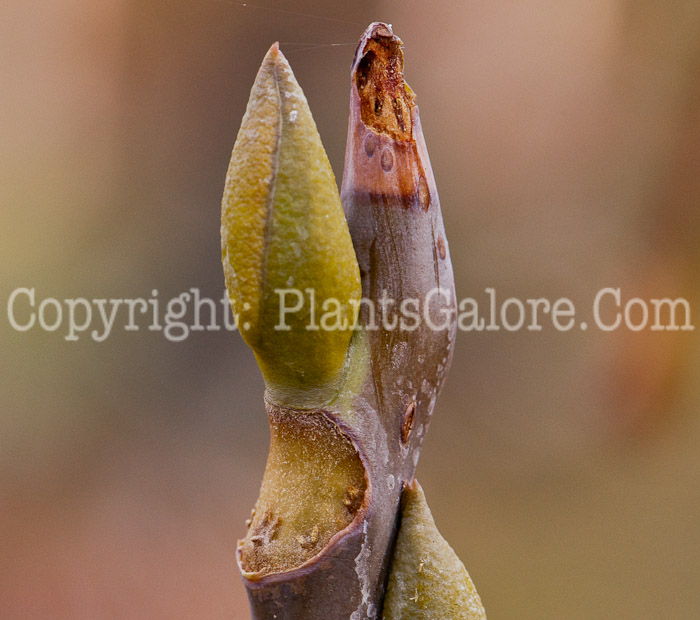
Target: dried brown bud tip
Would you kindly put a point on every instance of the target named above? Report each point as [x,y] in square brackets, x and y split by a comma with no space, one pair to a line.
[385,154]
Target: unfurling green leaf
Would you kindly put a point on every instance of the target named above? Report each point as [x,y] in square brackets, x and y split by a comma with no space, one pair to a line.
[427,580]
[286,248]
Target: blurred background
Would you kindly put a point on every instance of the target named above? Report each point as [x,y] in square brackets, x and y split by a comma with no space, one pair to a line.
[564,468]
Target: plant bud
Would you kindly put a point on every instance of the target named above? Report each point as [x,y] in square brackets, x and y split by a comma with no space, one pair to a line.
[290,268]
[427,580]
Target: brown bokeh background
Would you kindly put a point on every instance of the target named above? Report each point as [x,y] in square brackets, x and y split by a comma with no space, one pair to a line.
[564,468]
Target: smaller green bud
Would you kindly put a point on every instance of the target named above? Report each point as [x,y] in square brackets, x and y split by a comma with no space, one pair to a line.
[427,580]
[289,263]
